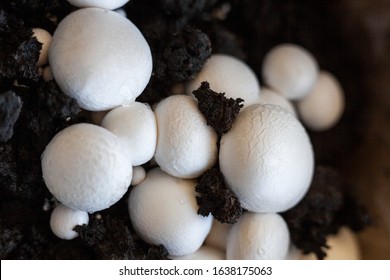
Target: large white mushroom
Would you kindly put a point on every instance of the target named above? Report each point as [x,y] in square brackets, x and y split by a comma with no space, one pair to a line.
[100,58]
[84,167]
[163,210]
[267,159]
[290,70]
[135,125]
[258,236]
[186,145]
[230,75]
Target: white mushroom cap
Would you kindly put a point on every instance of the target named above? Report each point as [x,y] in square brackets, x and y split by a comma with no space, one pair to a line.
[258,236]
[100,58]
[267,159]
[342,246]
[85,168]
[64,219]
[139,175]
[186,145]
[163,210]
[105,4]
[323,107]
[43,37]
[230,75]
[135,125]
[269,96]
[290,70]
[204,253]
[218,235]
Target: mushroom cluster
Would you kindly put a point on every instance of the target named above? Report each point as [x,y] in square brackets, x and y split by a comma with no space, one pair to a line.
[266,159]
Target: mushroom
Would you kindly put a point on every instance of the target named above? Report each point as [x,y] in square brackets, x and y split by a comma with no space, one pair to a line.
[64,219]
[139,175]
[186,145]
[323,107]
[100,58]
[135,125]
[84,167]
[258,236]
[269,96]
[290,70]
[218,235]
[109,5]
[230,75]
[163,210]
[44,38]
[267,159]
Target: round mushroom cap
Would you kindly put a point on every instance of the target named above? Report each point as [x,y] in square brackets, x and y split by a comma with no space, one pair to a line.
[267,159]
[230,75]
[290,70]
[135,125]
[258,236]
[64,219]
[269,96]
[218,234]
[186,145]
[44,38]
[100,58]
[105,4]
[84,167]
[323,107]
[163,210]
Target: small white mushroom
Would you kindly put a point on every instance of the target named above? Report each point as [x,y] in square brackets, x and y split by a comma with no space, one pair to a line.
[105,4]
[258,237]
[163,210]
[267,159]
[84,167]
[290,70]
[43,37]
[268,96]
[204,253]
[342,246]
[218,235]
[64,219]
[139,175]
[135,125]
[230,75]
[323,107]
[186,145]
[100,58]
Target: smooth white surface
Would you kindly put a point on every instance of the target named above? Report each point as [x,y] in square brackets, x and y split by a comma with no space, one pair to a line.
[84,167]
[324,105]
[258,237]
[64,219]
[230,75]
[100,58]
[203,253]
[105,4]
[136,126]
[139,175]
[269,96]
[43,37]
[163,210]
[267,159]
[186,145]
[290,70]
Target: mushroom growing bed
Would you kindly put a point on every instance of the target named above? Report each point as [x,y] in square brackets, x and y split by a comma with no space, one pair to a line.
[129,101]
